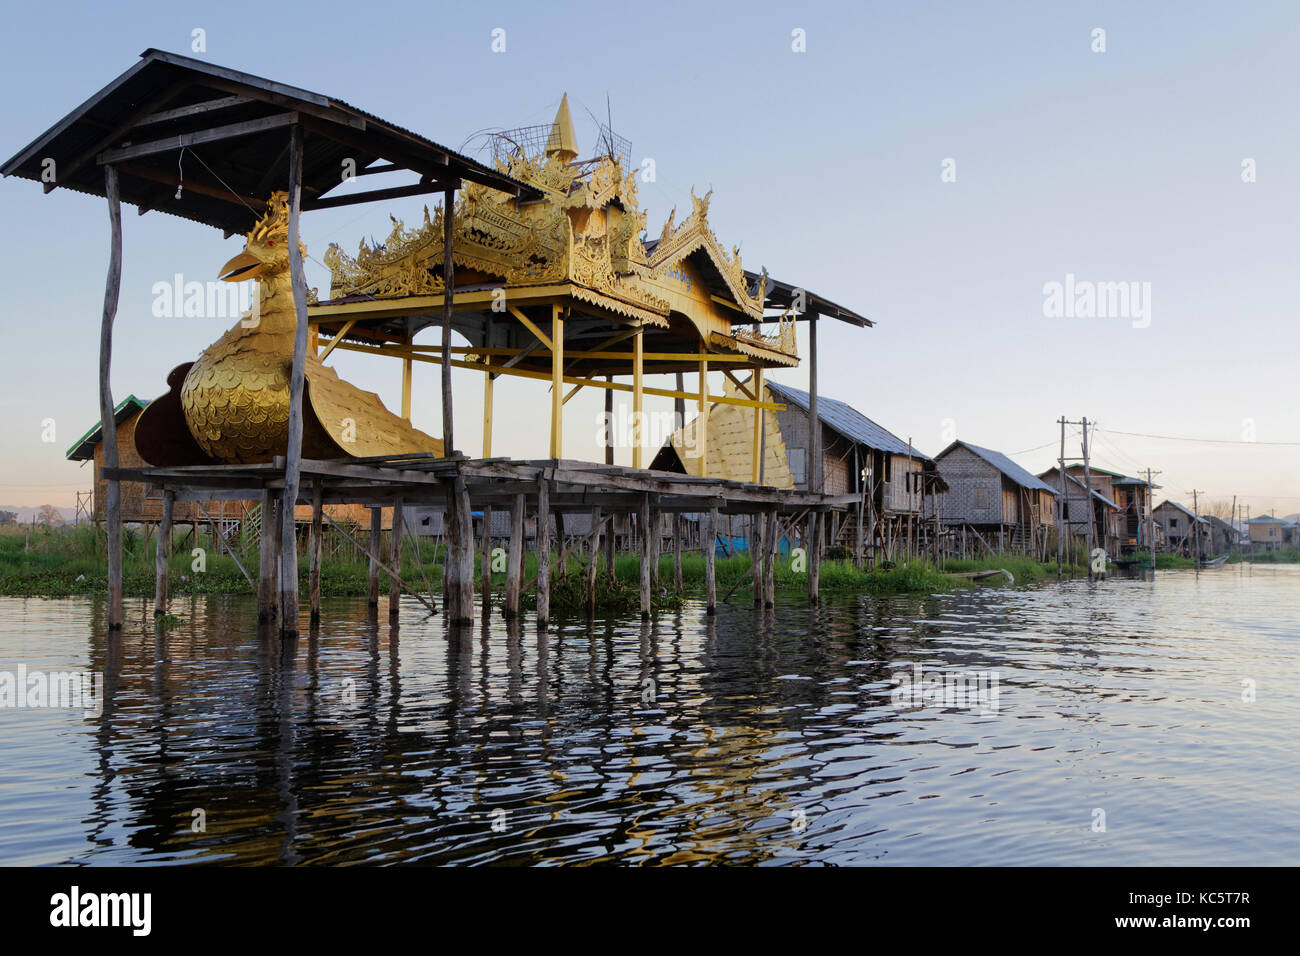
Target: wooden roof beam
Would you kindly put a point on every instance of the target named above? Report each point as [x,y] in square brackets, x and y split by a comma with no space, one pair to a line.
[211,135]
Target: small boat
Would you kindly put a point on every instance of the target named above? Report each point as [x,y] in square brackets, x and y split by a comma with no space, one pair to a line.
[1214,562]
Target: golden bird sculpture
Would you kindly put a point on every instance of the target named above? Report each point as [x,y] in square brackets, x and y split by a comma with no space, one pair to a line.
[234,400]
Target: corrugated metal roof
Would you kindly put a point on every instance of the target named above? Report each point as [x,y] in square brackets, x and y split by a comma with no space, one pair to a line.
[1187,511]
[848,421]
[227,179]
[1003,464]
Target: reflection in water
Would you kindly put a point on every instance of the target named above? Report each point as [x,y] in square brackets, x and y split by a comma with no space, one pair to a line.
[758,736]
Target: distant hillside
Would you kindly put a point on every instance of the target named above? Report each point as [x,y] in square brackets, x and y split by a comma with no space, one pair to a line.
[26,513]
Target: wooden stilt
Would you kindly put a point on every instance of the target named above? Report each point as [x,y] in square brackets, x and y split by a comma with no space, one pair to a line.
[107,411]
[593,549]
[678,524]
[515,557]
[609,548]
[313,587]
[645,556]
[266,560]
[557,383]
[395,562]
[638,350]
[543,551]
[485,562]
[708,540]
[769,569]
[814,555]
[163,554]
[376,530]
[293,451]
[461,605]
[758,554]
[448,280]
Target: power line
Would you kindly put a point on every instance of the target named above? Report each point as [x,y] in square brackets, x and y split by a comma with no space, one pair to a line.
[1217,441]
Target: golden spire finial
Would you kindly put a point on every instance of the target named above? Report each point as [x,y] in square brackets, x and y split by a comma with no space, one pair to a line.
[563,141]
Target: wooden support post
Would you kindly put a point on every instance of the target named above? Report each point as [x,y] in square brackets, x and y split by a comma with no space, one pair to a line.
[710,547]
[702,428]
[488,385]
[758,554]
[656,540]
[773,545]
[638,364]
[814,556]
[313,587]
[557,382]
[757,476]
[293,449]
[376,530]
[395,562]
[609,421]
[448,276]
[107,411]
[609,548]
[485,562]
[678,525]
[644,521]
[543,551]
[515,557]
[406,381]
[593,548]
[814,469]
[266,560]
[163,554]
[459,561]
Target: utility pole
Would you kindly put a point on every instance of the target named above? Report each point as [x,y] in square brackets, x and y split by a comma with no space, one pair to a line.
[1087,492]
[1151,518]
[1196,529]
[1232,525]
[1060,505]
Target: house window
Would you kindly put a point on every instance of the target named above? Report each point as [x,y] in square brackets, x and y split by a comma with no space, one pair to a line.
[1173,523]
[889,468]
[798,458]
[981,497]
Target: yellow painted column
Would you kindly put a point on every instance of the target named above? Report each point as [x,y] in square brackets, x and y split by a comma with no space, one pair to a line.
[557,382]
[702,430]
[406,382]
[638,350]
[757,383]
[487,409]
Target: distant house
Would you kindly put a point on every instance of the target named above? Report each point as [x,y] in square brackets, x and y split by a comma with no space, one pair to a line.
[1083,503]
[1001,503]
[1185,532]
[1127,526]
[1223,536]
[895,482]
[1267,533]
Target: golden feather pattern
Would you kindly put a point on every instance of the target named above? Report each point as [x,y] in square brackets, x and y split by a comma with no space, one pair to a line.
[236,396]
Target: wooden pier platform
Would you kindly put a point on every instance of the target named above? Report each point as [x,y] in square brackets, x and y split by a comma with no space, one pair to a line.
[538,487]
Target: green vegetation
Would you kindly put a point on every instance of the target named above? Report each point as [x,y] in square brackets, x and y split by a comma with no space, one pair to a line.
[69,561]
[1284,556]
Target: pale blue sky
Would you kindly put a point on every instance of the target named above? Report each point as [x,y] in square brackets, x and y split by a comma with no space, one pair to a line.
[1115,166]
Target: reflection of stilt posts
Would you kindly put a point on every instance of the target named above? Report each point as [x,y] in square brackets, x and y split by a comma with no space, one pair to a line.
[314,549]
[395,562]
[758,554]
[814,555]
[593,549]
[677,551]
[266,560]
[485,562]
[709,539]
[515,557]
[772,543]
[376,529]
[644,521]
[543,551]
[163,554]
[107,412]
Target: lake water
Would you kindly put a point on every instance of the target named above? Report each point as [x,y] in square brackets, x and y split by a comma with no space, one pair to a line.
[1121,732]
